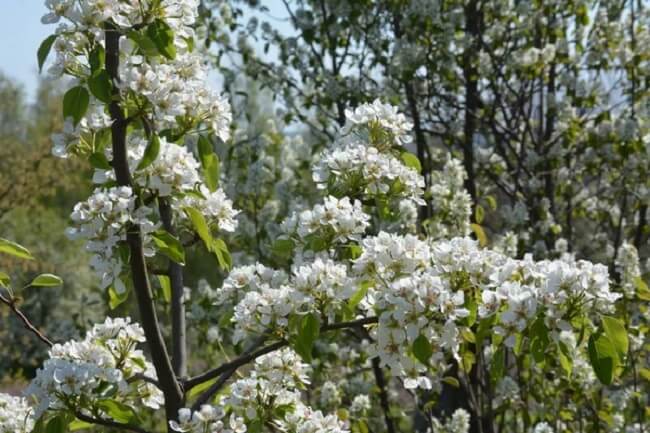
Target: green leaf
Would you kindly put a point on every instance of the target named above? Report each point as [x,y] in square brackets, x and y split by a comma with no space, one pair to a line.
[479,214]
[492,201]
[200,226]
[169,246]
[360,293]
[498,364]
[449,380]
[166,286]
[13,249]
[75,103]
[116,299]
[642,290]
[220,249]
[198,389]
[118,411]
[150,152]
[57,424]
[468,360]
[480,234]
[209,163]
[144,43]
[566,362]
[539,339]
[4,279]
[100,86]
[603,357]
[283,247]
[44,50]
[615,331]
[411,161]
[308,332]
[46,280]
[97,59]
[422,349]
[163,37]
[99,160]
[78,424]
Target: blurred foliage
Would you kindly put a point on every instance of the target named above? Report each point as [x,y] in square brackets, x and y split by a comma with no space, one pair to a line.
[37,193]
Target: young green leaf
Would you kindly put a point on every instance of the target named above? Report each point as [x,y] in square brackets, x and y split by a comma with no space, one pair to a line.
[13,249]
[163,37]
[44,50]
[116,299]
[46,280]
[411,161]
[480,234]
[169,246]
[150,152]
[200,226]
[603,357]
[166,287]
[118,411]
[75,103]
[58,424]
[220,249]
[422,349]
[360,293]
[308,332]
[209,163]
[100,86]
[144,43]
[615,331]
[99,160]
[4,279]
[97,59]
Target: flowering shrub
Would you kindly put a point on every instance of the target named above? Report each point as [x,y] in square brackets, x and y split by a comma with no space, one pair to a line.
[363,290]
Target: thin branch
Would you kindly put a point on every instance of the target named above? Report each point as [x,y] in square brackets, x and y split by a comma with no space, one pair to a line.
[11,303]
[232,366]
[109,423]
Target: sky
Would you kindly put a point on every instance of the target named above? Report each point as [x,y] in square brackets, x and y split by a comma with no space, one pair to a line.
[21,33]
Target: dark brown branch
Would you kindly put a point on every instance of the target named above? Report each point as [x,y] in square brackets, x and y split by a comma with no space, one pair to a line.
[250,356]
[11,303]
[383,394]
[175,272]
[142,287]
[109,423]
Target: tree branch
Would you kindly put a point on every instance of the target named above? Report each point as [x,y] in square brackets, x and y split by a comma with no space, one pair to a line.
[229,368]
[11,303]
[109,423]
[175,272]
[142,287]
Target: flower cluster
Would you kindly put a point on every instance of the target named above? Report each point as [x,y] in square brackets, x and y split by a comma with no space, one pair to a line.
[318,286]
[378,117]
[452,205]
[15,415]
[207,419]
[175,173]
[359,170]
[172,83]
[336,220]
[457,423]
[78,374]
[177,88]
[250,278]
[103,221]
[269,394]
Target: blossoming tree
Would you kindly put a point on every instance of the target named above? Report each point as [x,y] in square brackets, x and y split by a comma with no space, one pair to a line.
[361,324]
